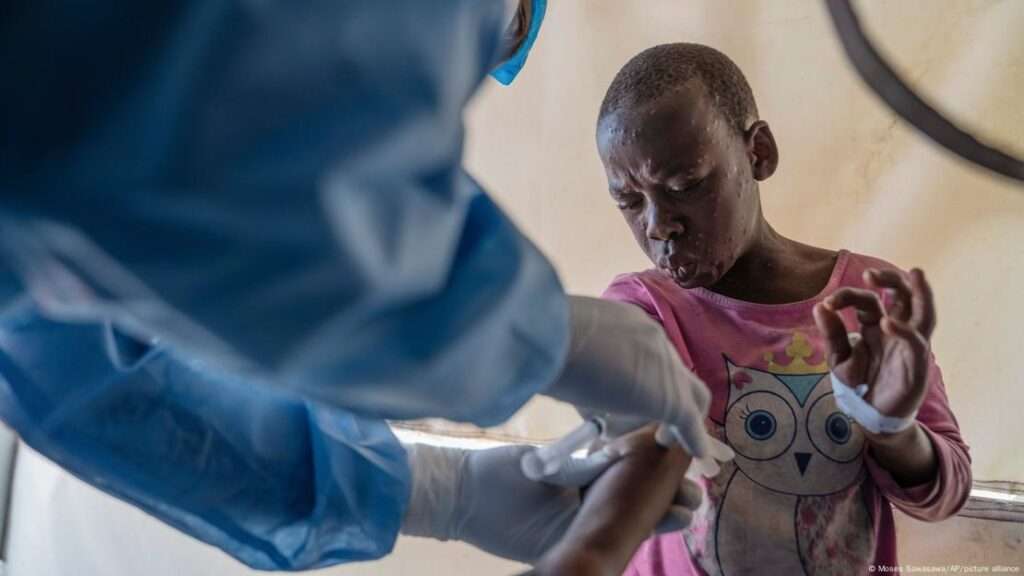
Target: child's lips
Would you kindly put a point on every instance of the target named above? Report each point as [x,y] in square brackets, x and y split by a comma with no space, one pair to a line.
[681,272]
[685,273]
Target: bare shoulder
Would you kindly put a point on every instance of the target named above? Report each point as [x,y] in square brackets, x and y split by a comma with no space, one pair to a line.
[865,262]
[815,265]
[821,260]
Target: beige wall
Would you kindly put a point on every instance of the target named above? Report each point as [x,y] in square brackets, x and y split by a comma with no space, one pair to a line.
[851,175]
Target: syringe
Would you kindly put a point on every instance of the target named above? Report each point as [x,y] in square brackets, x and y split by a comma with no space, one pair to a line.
[554,463]
[546,461]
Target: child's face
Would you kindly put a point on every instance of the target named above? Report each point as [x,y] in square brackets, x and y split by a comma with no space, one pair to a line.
[681,175]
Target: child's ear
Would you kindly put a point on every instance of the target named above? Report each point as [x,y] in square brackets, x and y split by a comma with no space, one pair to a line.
[762,151]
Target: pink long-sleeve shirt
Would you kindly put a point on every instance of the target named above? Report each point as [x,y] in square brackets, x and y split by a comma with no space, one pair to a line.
[803,495]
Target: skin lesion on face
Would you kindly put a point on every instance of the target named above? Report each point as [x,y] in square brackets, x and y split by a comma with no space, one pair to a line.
[683,179]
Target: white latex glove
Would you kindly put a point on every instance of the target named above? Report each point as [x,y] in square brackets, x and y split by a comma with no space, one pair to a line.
[621,363]
[618,426]
[481,497]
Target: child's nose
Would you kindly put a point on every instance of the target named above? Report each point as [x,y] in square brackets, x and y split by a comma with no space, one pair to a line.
[662,225]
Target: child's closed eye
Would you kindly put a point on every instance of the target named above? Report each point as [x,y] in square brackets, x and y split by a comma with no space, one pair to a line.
[628,201]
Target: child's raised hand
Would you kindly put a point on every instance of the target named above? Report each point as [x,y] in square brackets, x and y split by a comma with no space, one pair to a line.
[892,355]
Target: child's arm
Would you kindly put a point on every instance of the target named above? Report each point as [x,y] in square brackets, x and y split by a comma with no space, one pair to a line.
[925,469]
[908,456]
[620,510]
[942,493]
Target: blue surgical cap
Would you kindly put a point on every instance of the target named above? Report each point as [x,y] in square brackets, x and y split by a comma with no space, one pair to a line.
[507,71]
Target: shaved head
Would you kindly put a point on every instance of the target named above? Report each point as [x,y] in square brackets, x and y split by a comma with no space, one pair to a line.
[664,69]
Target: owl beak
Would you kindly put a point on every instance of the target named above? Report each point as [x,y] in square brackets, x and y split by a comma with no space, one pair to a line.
[802,460]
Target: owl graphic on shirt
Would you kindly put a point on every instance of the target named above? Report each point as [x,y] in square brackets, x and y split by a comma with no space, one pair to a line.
[792,500]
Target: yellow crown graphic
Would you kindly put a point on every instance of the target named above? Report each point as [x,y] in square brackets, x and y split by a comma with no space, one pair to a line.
[798,350]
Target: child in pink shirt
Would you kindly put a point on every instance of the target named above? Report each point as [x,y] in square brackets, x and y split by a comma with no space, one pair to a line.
[763,319]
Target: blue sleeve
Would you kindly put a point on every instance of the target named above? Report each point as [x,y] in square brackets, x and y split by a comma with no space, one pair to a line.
[277,187]
[276,482]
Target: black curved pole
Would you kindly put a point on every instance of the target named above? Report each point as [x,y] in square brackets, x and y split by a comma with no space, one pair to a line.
[887,84]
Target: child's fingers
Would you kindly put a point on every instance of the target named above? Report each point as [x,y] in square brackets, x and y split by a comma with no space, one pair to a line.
[918,363]
[923,303]
[893,281]
[865,302]
[908,333]
[837,342]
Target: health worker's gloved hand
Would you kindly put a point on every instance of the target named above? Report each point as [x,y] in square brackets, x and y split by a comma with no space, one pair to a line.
[616,427]
[482,497]
[621,363]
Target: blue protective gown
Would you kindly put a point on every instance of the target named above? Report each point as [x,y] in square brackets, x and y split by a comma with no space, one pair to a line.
[235,236]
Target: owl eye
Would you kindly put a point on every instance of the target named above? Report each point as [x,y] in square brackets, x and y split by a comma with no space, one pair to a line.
[760,425]
[837,426]
[833,433]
